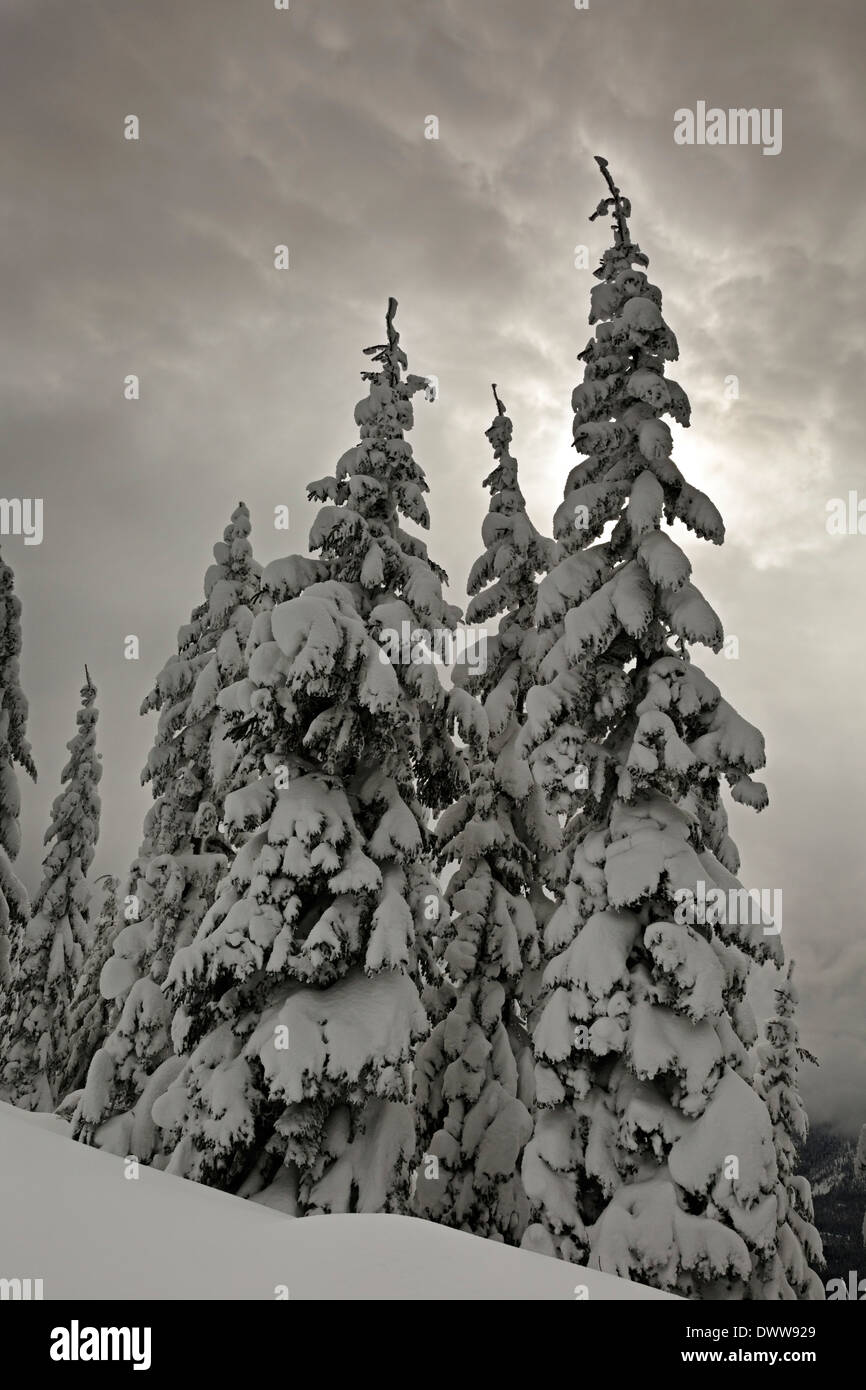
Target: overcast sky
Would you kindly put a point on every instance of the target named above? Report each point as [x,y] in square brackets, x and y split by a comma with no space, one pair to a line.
[307,127]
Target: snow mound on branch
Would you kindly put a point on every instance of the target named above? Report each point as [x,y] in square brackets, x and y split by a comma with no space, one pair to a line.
[164,1238]
[324,1031]
[670,1240]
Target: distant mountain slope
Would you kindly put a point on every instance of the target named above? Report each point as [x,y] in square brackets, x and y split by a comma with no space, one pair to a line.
[827,1160]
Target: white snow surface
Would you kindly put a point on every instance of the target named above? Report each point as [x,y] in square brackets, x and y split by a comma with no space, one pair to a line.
[69,1216]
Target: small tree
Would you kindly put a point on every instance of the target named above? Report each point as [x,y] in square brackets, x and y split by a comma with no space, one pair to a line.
[90,1011]
[14,749]
[182,857]
[51,951]
[305,977]
[474,1082]
[653,1155]
[777,1080]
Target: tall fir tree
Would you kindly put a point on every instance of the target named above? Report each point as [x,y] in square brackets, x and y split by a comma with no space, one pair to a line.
[173,881]
[14,750]
[799,1250]
[653,1153]
[89,1011]
[51,950]
[473,1076]
[313,958]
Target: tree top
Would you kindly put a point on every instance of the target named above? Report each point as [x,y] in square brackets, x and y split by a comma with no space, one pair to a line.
[620,206]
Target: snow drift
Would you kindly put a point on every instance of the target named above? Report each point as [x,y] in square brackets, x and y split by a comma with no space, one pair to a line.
[70,1216]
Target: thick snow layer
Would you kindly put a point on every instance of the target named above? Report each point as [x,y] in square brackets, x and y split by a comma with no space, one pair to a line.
[70,1217]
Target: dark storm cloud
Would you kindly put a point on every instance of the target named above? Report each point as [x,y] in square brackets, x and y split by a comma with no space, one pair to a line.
[307,127]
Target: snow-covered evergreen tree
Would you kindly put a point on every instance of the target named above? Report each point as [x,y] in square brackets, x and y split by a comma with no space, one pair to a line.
[51,949]
[14,749]
[473,1077]
[312,958]
[182,857]
[799,1244]
[89,1011]
[653,1154]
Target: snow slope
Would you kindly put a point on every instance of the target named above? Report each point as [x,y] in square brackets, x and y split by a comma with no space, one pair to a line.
[70,1217]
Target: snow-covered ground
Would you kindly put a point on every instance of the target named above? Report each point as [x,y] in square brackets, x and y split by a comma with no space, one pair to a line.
[70,1217]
